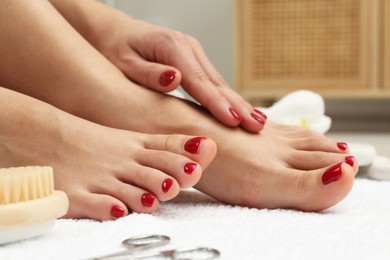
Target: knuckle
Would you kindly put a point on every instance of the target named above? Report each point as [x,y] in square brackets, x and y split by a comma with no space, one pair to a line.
[173,36]
[148,76]
[218,81]
[199,75]
[193,40]
[128,62]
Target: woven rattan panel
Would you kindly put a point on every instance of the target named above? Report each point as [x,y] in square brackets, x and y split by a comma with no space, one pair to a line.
[305,39]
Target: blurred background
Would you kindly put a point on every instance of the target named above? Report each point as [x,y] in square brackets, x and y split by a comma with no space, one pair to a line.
[266,49]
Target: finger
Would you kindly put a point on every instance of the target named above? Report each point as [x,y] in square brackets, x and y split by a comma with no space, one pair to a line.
[214,76]
[197,83]
[252,120]
[160,77]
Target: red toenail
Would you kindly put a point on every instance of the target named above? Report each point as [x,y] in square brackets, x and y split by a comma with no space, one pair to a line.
[261,113]
[147,199]
[167,77]
[342,146]
[235,114]
[350,160]
[332,174]
[117,211]
[257,118]
[166,185]
[192,145]
[189,167]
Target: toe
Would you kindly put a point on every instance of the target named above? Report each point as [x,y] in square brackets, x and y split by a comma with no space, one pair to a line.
[95,206]
[154,178]
[135,198]
[199,149]
[316,142]
[185,171]
[320,189]
[351,161]
[312,160]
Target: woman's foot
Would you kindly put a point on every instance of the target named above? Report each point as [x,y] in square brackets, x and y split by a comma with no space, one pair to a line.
[129,172]
[105,172]
[283,166]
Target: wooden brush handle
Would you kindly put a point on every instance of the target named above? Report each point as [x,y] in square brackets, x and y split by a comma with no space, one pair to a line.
[35,211]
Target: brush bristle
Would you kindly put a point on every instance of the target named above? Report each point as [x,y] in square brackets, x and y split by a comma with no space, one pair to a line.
[25,183]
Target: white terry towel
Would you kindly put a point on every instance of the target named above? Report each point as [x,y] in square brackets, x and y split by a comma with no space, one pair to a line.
[357,228]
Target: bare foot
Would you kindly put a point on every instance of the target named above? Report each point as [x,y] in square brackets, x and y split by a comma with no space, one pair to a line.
[282,167]
[105,172]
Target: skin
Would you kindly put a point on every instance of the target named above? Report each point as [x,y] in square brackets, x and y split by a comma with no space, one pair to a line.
[113,167]
[283,166]
[144,52]
[130,44]
[98,167]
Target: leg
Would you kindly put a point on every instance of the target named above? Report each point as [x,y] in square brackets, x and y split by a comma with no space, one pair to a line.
[99,167]
[104,171]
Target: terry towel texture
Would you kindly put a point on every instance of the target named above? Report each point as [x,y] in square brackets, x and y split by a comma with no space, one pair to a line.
[356,228]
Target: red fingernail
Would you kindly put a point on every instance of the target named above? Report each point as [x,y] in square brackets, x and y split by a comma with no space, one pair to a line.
[350,160]
[342,146]
[332,174]
[192,145]
[235,114]
[189,167]
[117,211]
[166,185]
[167,77]
[147,199]
[258,119]
[261,113]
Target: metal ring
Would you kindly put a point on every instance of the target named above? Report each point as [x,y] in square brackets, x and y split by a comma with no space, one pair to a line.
[145,240]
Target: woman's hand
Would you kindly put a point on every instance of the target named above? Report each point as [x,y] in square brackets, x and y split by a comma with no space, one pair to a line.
[162,59]
[159,58]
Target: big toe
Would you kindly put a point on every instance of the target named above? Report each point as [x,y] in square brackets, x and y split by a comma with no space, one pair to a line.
[320,189]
